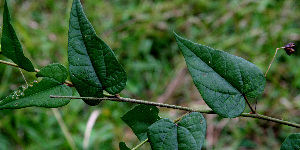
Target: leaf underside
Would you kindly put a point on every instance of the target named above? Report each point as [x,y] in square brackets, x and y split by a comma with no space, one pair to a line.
[10,44]
[140,118]
[38,93]
[188,134]
[93,66]
[221,78]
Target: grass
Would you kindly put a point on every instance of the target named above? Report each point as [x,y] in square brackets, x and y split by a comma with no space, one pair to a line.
[141,35]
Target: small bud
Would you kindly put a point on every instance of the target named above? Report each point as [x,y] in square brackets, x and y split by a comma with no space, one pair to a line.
[289,48]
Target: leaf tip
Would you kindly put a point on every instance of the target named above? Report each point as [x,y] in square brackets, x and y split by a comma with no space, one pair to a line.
[176,35]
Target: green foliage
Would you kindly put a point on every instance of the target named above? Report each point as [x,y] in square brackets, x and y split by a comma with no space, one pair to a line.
[221,78]
[38,93]
[92,64]
[140,118]
[142,32]
[11,46]
[292,142]
[188,134]
[55,71]
[123,146]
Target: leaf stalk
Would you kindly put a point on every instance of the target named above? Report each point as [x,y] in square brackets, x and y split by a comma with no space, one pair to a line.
[252,110]
[273,59]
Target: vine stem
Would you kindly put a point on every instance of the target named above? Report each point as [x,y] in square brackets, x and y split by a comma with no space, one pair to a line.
[142,143]
[122,99]
[14,65]
[9,63]
[36,70]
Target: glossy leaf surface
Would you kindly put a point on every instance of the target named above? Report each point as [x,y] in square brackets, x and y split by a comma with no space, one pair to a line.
[221,78]
[93,66]
[10,44]
[140,118]
[188,134]
[38,93]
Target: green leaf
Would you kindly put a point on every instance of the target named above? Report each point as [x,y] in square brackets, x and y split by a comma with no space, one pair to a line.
[188,134]
[93,66]
[221,78]
[10,44]
[38,93]
[291,143]
[56,71]
[191,123]
[140,118]
[123,146]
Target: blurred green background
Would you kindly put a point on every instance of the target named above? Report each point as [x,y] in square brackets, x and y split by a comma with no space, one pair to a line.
[141,35]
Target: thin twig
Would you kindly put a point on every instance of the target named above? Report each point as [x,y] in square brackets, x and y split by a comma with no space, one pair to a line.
[64,128]
[14,65]
[68,83]
[9,63]
[142,143]
[267,73]
[272,60]
[122,99]
[24,77]
[178,119]
[280,121]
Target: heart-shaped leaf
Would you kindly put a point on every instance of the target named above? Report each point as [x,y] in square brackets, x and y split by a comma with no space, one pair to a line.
[10,44]
[140,118]
[188,134]
[291,143]
[38,93]
[93,66]
[221,78]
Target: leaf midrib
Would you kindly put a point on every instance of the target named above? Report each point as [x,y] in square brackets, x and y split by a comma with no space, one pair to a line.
[209,67]
[30,95]
[77,17]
